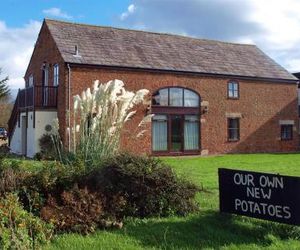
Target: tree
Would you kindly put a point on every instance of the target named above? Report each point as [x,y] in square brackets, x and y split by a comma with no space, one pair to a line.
[4,90]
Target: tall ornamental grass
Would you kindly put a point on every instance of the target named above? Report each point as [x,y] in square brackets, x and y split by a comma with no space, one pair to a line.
[99,116]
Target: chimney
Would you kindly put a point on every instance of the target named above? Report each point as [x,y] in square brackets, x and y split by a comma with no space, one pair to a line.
[76,51]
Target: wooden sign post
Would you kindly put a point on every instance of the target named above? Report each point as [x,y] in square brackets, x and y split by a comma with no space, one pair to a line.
[259,195]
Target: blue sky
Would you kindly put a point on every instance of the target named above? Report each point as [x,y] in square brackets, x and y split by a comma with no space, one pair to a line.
[19,12]
[273,25]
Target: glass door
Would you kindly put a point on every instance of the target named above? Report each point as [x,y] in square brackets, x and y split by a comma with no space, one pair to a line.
[45,85]
[176,133]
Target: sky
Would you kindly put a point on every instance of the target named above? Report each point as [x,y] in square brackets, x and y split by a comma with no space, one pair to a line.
[273,25]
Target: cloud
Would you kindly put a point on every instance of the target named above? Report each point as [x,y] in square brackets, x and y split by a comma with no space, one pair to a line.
[57,12]
[130,10]
[16,46]
[218,19]
[273,25]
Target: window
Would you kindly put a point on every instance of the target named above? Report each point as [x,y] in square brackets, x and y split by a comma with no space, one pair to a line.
[56,75]
[233,129]
[191,132]
[161,98]
[175,133]
[30,81]
[159,133]
[176,97]
[176,123]
[233,90]
[191,99]
[286,132]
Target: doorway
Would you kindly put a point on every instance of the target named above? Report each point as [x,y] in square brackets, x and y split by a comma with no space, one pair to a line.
[24,135]
[45,85]
[176,133]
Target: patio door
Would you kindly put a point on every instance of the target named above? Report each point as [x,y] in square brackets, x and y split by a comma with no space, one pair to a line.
[176,133]
[45,85]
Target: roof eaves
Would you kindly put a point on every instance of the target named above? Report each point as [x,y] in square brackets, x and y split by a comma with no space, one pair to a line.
[252,78]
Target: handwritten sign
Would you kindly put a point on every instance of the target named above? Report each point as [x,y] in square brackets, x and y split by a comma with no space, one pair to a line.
[264,196]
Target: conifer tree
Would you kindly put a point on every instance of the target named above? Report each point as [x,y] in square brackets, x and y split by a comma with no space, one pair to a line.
[4,90]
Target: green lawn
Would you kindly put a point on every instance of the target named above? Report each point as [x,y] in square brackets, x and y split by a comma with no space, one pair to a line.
[207,229]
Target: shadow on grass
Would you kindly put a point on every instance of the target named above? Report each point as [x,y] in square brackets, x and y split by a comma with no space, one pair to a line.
[206,230]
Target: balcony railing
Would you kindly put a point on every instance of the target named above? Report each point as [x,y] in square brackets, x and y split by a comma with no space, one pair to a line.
[35,97]
[38,97]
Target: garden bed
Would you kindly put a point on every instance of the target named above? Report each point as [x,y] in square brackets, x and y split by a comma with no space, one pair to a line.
[207,228]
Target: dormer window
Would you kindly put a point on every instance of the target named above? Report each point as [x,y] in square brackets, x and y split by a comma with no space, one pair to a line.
[233,90]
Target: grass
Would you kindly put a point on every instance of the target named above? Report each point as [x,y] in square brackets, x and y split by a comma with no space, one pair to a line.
[207,229]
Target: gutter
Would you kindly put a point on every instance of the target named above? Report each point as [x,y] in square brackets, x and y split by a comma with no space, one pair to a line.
[68,110]
[181,72]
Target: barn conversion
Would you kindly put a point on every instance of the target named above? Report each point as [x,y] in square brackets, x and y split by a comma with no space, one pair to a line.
[207,97]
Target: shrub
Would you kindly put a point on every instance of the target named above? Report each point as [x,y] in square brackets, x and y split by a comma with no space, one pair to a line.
[77,210]
[48,151]
[34,187]
[148,187]
[12,176]
[19,229]
[54,177]
[11,180]
[4,149]
[79,201]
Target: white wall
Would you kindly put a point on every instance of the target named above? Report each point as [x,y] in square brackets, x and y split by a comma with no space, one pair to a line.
[30,136]
[42,118]
[15,143]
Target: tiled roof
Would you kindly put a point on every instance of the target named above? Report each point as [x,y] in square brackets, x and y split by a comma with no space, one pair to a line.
[297,75]
[108,46]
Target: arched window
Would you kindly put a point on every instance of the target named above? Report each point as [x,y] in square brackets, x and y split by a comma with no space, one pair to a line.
[176,97]
[175,124]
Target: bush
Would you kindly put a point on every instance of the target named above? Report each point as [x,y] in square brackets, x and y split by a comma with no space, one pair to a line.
[54,178]
[79,201]
[147,186]
[4,149]
[77,210]
[47,147]
[19,229]
[12,176]
[34,187]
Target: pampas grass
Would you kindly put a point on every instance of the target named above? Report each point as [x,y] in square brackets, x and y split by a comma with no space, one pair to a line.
[99,115]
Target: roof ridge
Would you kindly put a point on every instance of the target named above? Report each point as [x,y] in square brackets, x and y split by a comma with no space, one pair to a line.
[150,32]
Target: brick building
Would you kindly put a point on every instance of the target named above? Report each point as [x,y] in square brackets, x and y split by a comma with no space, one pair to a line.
[208,97]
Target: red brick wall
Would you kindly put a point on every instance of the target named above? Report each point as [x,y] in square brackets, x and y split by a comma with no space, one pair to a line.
[262,105]
[46,51]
